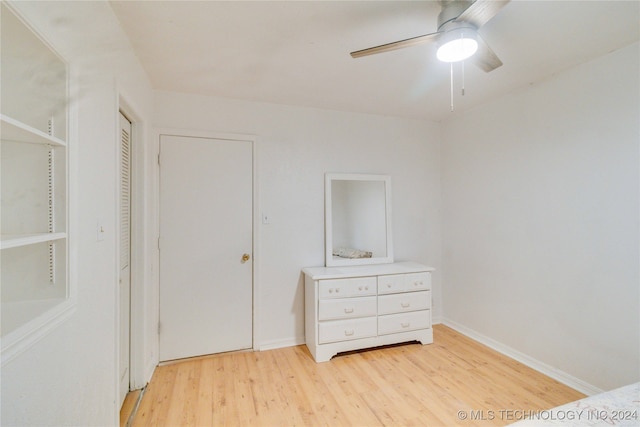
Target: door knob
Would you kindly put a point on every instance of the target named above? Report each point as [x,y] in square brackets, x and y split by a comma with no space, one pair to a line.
[245,257]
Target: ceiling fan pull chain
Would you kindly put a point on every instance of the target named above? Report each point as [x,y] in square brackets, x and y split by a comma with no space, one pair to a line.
[451,81]
[462,78]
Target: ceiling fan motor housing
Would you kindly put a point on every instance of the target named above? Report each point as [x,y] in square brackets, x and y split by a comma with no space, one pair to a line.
[451,9]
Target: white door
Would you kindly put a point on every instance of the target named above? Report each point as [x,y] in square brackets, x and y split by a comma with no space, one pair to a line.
[125,253]
[206,237]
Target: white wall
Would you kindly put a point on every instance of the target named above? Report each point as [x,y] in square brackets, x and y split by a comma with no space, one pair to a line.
[296,146]
[70,376]
[541,243]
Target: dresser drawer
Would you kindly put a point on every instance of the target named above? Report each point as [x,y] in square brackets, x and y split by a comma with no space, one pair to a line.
[346,308]
[417,281]
[391,284]
[392,323]
[395,283]
[408,301]
[345,288]
[343,330]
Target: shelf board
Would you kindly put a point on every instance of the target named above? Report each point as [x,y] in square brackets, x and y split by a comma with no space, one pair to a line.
[14,130]
[26,322]
[8,241]
[18,313]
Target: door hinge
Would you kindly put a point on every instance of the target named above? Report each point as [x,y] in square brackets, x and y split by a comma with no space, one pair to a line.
[158,159]
[158,328]
[158,243]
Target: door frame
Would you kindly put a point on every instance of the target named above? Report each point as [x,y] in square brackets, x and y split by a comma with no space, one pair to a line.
[255,212]
[139,373]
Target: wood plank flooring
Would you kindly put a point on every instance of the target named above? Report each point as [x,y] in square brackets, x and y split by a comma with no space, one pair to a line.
[455,381]
[128,406]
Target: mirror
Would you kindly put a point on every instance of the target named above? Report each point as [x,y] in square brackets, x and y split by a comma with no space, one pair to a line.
[357,219]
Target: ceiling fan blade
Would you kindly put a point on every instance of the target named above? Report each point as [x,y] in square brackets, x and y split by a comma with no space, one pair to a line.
[396,45]
[485,58]
[481,11]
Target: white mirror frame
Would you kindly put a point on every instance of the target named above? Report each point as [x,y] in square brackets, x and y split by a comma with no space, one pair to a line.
[332,261]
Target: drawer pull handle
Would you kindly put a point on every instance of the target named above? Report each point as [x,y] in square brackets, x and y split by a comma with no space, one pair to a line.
[359,288]
[337,290]
[405,324]
[388,285]
[405,304]
[348,310]
[330,290]
[348,333]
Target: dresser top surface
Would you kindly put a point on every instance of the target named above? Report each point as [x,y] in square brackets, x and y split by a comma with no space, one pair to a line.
[317,273]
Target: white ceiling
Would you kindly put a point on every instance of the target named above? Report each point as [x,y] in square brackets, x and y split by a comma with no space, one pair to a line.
[297,52]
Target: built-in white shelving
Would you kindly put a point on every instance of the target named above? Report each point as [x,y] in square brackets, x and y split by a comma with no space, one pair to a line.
[16,131]
[19,313]
[35,294]
[8,241]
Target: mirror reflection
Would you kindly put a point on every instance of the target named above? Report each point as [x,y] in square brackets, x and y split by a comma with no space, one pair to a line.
[357,218]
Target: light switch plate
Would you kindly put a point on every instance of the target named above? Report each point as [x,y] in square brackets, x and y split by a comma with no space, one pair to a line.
[100,231]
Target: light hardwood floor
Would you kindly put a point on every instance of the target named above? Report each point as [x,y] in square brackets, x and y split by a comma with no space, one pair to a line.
[409,385]
[128,406]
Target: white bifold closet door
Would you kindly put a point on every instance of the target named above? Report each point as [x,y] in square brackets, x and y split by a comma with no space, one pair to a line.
[206,239]
[125,254]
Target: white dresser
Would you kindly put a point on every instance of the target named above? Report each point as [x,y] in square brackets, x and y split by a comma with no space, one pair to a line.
[350,308]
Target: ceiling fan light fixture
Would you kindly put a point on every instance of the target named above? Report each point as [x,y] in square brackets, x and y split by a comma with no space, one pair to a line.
[457,45]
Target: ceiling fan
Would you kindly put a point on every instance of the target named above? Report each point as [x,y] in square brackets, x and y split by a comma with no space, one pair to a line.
[457,35]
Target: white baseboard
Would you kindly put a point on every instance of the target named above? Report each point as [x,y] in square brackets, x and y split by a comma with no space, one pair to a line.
[539,366]
[290,342]
[149,369]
